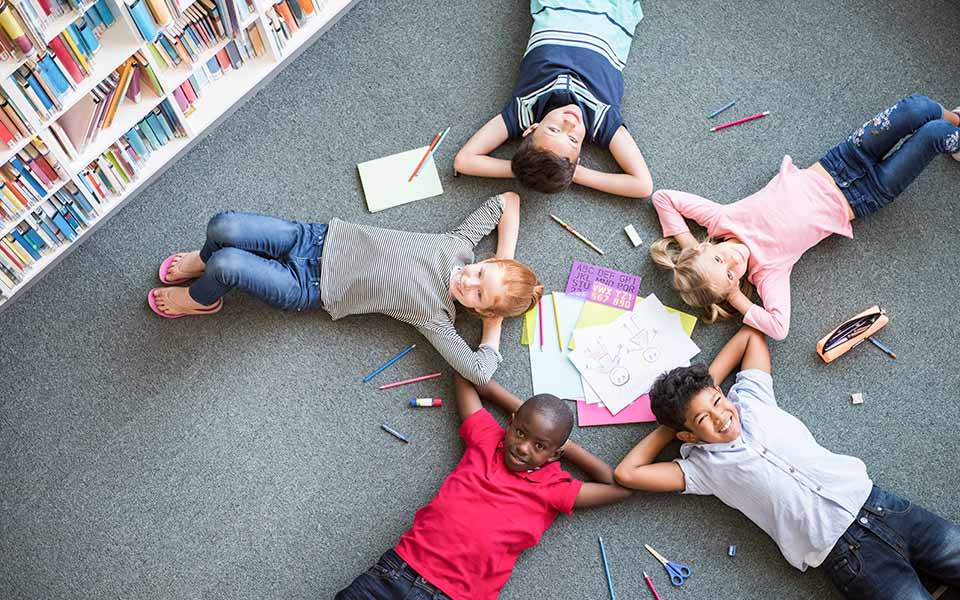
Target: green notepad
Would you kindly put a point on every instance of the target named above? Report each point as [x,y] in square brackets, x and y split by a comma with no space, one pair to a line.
[385,180]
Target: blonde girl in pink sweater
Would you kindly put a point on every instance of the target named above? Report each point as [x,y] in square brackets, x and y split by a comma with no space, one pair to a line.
[758,239]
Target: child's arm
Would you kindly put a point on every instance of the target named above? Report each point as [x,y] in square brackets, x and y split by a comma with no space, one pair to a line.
[602,489]
[747,349]
[673,207]
[474,158]
[509,227]
[638,471]
[468,401]
[634,182]
[773,318]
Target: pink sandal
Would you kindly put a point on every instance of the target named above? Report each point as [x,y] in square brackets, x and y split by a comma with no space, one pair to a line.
[165,270]
[152,302]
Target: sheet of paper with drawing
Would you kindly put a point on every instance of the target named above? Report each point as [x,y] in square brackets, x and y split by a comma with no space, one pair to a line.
[552,371]
[385,182]
[621,360]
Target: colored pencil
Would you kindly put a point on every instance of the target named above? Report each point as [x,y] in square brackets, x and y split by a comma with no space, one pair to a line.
[652,589]
[882,346]
[424,159]
[388,363]
[606,569]
[759,115]
[556,318]
[395,433]
[721,109]
[575,233]
[540,313]
[434,149]
[406,381]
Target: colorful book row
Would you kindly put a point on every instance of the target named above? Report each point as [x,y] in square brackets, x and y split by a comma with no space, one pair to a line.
[57,221]
[119,166]
[229,57]
[27,178]
[24,22]
[287,17]
[46,79]
[13,127]
[199,29]
[96,111]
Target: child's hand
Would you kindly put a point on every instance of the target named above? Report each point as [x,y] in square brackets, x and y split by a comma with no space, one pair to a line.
[493,320]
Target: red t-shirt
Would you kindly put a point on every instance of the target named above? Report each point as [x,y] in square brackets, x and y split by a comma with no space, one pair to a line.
[467,539]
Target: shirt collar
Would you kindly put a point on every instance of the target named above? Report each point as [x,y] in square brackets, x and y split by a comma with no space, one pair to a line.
[733,446]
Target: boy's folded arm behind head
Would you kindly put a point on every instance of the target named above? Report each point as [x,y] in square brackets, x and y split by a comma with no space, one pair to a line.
[474,157]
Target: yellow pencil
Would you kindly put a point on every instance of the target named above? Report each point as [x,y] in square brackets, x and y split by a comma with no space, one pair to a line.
[556,317]
[575,233]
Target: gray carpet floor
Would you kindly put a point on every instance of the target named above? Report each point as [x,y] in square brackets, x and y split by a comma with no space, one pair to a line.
[239,456]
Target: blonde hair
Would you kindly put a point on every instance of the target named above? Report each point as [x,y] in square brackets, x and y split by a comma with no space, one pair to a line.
[689,281]
[520,292]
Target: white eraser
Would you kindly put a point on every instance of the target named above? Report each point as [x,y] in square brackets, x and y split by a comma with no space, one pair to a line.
[856,398]
[633,235]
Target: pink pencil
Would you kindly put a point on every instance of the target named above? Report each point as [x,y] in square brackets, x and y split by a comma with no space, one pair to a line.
[406,381]
[652,589]
[540,312]
[759,115]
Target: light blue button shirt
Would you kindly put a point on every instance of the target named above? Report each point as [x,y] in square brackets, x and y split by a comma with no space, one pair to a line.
[775,472]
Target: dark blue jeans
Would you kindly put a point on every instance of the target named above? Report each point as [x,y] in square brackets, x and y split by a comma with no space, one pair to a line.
[877,558]
[390,579]
[275,260]
[868,177]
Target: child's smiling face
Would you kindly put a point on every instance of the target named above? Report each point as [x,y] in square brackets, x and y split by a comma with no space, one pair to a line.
[532,441]
[561,131]
[711,418]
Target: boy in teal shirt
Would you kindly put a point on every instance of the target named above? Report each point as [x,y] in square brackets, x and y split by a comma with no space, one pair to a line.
[569,90]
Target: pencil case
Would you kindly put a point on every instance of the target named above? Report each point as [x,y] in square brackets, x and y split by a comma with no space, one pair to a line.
[851,333]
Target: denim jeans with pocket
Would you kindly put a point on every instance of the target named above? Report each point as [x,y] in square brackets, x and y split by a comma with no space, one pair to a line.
[869,176]
[390,579]
[273,259]
[878,557]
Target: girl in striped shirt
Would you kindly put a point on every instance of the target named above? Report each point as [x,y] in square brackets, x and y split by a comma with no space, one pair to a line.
[350,269]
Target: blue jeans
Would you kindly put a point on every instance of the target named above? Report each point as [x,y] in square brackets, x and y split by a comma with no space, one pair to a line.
[390,579]
[275,260]
[877,558]
[861,168]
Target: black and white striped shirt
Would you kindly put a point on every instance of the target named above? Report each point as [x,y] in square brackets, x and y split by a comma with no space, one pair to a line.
[406,275]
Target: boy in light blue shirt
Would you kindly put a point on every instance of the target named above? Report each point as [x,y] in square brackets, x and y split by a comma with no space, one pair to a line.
[820,508]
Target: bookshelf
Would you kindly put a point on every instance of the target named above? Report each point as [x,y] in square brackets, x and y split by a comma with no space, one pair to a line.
[118,43]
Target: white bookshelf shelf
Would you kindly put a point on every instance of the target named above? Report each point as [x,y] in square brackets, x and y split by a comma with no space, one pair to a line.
[218,99]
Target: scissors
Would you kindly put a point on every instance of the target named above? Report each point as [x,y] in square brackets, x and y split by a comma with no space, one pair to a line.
[678,573]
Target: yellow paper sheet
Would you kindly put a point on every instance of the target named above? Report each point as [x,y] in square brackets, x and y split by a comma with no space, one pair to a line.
[600,314]
[385,180]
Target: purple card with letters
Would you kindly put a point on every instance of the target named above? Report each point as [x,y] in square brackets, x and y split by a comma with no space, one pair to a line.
[605,286]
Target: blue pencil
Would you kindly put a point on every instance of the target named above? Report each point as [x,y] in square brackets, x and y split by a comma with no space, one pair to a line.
[721,109]
[388,363]
[606,569]
[437,145]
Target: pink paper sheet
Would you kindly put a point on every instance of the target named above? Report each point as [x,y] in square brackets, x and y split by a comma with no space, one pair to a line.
[597,414]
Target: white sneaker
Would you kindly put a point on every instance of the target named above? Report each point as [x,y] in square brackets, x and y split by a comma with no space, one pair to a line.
[956,155]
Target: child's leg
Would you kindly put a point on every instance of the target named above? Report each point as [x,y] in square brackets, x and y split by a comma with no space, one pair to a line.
[935,546]
[903,166]
[879,135]
[274,282]
[267,236]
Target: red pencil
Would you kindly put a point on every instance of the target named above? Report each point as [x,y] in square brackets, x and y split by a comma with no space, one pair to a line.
[652,589]
[426,154]
[759,115]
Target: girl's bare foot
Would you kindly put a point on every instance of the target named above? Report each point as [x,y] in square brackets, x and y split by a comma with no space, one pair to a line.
[175,301]
[186,265]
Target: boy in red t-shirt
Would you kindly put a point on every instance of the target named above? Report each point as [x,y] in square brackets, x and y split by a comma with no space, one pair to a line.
[505,492]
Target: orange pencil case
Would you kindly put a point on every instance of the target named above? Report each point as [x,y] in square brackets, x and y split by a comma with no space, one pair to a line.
[851,333]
